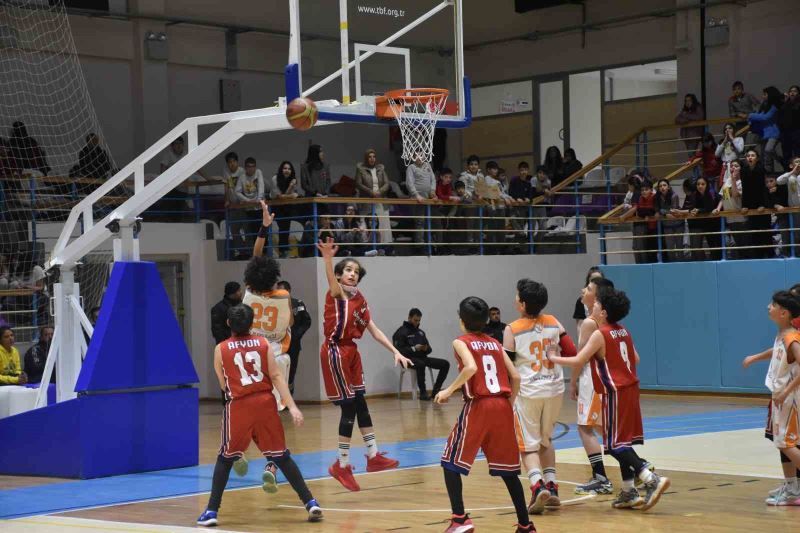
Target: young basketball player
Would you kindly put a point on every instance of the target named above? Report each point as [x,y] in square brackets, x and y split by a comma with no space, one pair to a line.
[346,317]
[614,358]
[783,380]
[541,391]
[490,383]
[589,402]
[247,372]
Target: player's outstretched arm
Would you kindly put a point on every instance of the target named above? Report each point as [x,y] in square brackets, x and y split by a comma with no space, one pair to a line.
[328,251]
[266,221]
[381,338]
[593,345]
[279,382]
[763,356]
[467,372]
[218,367]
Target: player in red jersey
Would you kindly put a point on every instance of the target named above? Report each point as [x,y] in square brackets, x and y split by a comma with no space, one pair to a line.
[251,413]
[490,385]
[346,318]
[614,358]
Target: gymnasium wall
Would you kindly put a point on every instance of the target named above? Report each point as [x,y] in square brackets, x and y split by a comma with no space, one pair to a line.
[693,323]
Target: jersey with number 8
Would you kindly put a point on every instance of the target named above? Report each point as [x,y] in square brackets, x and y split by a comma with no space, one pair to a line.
[245,365]
[491,379]
[618,368]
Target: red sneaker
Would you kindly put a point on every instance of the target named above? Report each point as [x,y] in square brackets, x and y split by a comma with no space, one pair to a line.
[381,462]
[460,524]
[539,497]
[526,529]
[344,475]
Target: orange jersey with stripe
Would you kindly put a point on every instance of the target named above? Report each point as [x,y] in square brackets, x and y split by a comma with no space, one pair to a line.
[272,317]
[781,372]
[539,377]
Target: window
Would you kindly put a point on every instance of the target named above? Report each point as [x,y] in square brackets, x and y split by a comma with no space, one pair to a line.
[639,81]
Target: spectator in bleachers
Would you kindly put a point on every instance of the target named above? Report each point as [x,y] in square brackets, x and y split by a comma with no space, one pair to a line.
[634,189]
[571,163]
[764,123]
[494,213]
[789,124]
[421,184]
[231,173]
[459,224]
[471,175]
[729,149]
[5,273]
[327,227]
[644,233]
[285,187]
[707,152]
[778,198]
[731,200]
[93,160]
[372,182]
[671,227]
[447,194]
[703,203]
[754,194]
[250,190]
[315,173]
[554,165]
[26,154]
[36,356]
[541,186]
[174,202]
[792,181]
[692,111]
[521,190]
[355,235]
[741,104]
[11,372]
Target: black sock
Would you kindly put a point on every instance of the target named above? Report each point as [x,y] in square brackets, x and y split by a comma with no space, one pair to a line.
[222,470]
[452,480]
[517,494]
[598,468]
[294,477]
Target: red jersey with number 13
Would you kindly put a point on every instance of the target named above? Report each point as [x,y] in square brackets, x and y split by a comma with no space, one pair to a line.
[491,379]
[244,365]
[618,369]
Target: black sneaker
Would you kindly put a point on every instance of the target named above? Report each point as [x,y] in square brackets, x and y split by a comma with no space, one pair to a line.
[554,500]
[596,485]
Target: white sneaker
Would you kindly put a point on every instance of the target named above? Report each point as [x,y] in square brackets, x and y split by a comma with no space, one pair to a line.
[785,496]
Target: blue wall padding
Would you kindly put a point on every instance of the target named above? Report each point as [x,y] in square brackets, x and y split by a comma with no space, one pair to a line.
[693,323]
[137,341]
[103,435]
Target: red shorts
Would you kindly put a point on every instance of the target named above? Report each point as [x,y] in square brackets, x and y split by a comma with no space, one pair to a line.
[252,417]
[622,419]
[341,371]
[484,424]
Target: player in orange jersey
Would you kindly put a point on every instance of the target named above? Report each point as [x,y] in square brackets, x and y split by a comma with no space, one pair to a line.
[489,383]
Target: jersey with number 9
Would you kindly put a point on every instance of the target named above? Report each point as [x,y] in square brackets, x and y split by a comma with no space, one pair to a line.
[491,379]
[245,366]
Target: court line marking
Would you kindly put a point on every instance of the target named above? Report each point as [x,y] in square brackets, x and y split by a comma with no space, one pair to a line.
[106,525]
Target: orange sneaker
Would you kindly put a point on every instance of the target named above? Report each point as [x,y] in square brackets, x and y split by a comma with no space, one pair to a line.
[344,475]
[381,462]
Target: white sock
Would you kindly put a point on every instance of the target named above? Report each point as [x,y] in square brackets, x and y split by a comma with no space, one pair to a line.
[549,475]
[535,475]
[646,475]
[344,454]
[627,484]
[371,444]
[792,483]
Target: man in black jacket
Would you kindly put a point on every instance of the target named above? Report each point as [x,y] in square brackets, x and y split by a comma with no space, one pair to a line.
[302,323]
[219,313]
[36,356]
[413,343]
[495,327]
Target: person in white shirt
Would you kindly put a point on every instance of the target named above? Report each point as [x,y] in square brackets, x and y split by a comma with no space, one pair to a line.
[231,173]
[249,191]
[731,200]
[729,149]
[792,180]
[421,185]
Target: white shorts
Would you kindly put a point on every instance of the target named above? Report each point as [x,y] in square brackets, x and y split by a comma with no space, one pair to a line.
[590,404]
[534,420]
[786,423]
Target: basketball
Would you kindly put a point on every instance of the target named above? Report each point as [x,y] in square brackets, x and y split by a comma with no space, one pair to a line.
[301,113]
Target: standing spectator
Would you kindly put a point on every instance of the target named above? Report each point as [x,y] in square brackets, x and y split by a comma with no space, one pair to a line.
[421,184]
[219,313]
[93,160]
[692,111]
[571,163]
[792,180]
[286,185]
[541,185]
[10,368]
[765,125]
[315,173]
[707,152]
[754,194]
[554,165]
[469,177]
[580,310]
[36,356]
[300,325]
[495,211]
[741,104]
[495,327]
[778,198]
[372,182]
[729,149]
[789,124]
[704,202]
[521,190]
[250,190]
[412,342]
[446,193]
[644,233]
[731,200]
[25,152]
[671,227]
[231,173]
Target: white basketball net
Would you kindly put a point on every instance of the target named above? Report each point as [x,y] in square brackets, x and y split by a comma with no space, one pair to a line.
[417,111]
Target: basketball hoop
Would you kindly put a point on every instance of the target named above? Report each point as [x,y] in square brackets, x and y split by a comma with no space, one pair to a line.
[416,112]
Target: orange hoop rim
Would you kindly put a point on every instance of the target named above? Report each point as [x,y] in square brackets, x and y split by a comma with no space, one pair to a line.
[416,94]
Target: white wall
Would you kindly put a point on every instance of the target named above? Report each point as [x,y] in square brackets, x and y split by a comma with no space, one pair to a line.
[585,115]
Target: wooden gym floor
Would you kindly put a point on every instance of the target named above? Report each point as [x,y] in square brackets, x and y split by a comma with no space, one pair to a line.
[712,448]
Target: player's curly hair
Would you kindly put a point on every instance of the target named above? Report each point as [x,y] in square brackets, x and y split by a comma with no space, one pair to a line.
[261,274]
[339,268]
[474,313]
[615,303]
[533,296]
[240,319]
[788,301]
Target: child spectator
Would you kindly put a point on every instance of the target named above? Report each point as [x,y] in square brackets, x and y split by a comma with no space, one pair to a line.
[671,228]
[458,223]
[729,149]
[470,177]
[703,203]
[731,200]
[707,152]
[445,193]
[778,199]
[541,187]
[789,124]
[741,104]
[284,187]
[754,198]
[644,243]
[494,212]
[765,125]
[571,163]
[521,190]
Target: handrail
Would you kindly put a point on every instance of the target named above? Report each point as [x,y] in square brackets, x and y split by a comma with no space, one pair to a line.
[750,212]
[384,201]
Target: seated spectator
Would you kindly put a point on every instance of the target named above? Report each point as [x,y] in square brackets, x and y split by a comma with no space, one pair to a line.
[731,200]
[764,123]
[246,218]
[521,190]
[729,149]
[372,182]
[11,372]
[541,186]
[703,203]
[354,235]
[327,228]
[692,111]
[671,227]
[707,152]
[285,188]
[26,154]
[231,173]
[315,173]
[412,342]
[741,104]
[778,198]
[36,356]
[421,183]
[789,124]
[93,160]
[644,233]
[571,163]
[495,327]
[554,165]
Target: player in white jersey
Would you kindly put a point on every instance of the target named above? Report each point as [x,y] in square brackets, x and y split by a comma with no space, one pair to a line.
[541,390]
[783,380]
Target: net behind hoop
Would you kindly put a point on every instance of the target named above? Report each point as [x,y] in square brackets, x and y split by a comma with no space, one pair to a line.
[416,112]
